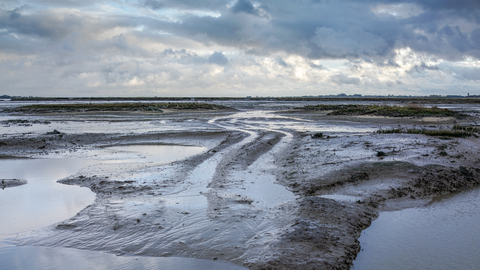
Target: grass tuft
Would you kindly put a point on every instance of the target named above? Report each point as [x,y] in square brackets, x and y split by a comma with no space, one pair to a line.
[456,131]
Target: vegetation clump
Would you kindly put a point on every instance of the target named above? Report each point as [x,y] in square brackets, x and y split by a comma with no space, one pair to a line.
[411,110]
[456,131]
[104,107]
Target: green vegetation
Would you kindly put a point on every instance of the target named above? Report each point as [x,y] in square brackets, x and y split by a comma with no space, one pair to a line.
[146,107]
[383,110]
[466,129]
[456,131]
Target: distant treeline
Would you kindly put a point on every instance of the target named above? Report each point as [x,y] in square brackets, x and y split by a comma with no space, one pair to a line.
[419,100]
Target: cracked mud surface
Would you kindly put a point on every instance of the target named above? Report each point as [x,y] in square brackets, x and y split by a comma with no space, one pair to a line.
[257,196]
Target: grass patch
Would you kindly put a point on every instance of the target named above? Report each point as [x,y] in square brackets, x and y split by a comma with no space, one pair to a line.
[411,110]
[456,131]
[103,107]
[466,128]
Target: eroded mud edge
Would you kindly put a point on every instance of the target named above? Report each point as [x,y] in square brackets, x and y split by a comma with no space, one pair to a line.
[8,183]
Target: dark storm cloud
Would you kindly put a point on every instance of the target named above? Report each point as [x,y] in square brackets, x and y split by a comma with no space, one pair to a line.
[440,4]
[62,3]
[213,5]
[340,29]
[218,58]
[153,4]
[123,42]
[312,29]
[243,6]
[56,25]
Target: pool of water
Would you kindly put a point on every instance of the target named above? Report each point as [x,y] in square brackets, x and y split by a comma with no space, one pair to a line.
[442,235]
[26,257]
[148,153]
[43,202]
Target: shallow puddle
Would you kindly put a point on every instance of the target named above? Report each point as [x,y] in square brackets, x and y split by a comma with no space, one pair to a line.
[148,153]
[13,257]
[442,235]
[43,202]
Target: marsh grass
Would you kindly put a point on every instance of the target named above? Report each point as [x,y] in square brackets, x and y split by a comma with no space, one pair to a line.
[456,131]
[148,107]
[411,110]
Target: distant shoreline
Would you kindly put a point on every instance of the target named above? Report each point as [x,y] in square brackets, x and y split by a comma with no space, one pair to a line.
[421,100]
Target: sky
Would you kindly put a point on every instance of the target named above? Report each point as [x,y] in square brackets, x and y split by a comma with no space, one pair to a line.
[206,48]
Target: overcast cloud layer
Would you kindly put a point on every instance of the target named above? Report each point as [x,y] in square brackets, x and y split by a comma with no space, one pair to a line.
[239,47]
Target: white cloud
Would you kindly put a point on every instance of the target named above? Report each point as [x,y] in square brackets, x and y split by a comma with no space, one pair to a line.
[220,47]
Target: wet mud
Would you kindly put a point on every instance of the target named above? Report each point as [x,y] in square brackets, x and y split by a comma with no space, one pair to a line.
[209,206]
[8,183]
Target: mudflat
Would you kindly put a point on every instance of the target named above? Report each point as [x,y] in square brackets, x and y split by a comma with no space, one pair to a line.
[263,193]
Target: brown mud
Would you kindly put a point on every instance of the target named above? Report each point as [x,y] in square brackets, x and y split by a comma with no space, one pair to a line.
[205,206]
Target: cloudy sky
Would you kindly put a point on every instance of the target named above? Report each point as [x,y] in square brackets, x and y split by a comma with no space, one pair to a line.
[239,47]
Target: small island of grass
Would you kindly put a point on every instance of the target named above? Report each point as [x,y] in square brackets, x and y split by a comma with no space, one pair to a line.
[117,107]
[383,110]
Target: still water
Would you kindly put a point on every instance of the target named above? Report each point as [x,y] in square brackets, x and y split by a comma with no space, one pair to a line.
[43,201]
[33,258]
[442,235]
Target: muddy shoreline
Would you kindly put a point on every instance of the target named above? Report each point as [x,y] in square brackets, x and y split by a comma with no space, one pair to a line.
[206,207]
[8,183]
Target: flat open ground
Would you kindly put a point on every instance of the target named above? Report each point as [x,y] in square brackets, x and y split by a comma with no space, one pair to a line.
[263,194]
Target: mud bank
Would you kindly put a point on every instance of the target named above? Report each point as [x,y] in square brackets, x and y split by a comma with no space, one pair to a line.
[8,183]
[208,206]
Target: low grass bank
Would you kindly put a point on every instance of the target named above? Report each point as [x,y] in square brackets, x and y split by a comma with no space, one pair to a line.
[418,100]
[124,107]
[383,110]
[456,131]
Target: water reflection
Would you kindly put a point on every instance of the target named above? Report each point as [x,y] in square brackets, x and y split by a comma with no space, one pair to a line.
[148,153]
[442,235]
[42,201]
[13,257]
